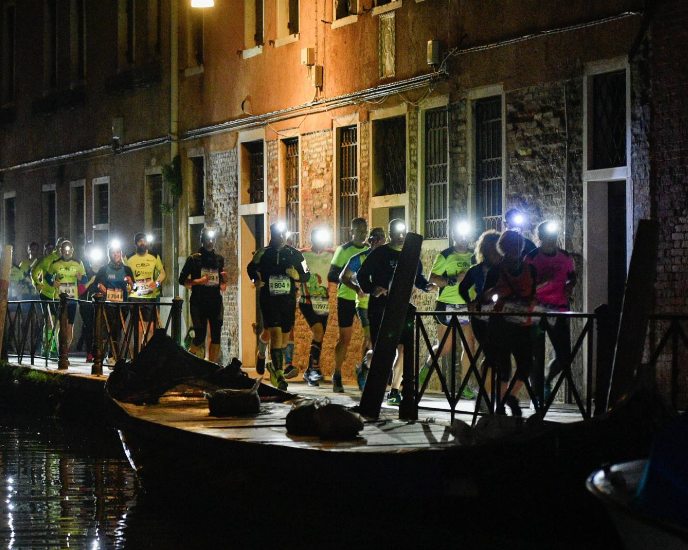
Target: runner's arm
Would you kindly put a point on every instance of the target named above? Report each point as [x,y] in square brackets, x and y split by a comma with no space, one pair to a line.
[466,284]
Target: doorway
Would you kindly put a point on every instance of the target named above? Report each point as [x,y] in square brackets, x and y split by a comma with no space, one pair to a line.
[252,239]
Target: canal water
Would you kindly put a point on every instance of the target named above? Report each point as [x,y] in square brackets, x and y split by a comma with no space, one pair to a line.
[65,486]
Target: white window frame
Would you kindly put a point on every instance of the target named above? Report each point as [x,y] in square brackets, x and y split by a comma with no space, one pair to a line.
[348,20]
[254,49]
[393,5]
[75,185]
[198,152]
[281,38]
[256,207]
[619,173]
[105,180]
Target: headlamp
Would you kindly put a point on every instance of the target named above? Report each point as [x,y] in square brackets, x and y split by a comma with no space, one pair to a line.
[210,234]
[400,227]
[150,238]
[322,236]
[463,228]
[518,220]
[495,297]
[67,248]
[115,244]
[281,227]
[96,255]
[552,228]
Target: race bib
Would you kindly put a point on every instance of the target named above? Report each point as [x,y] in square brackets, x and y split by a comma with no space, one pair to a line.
[279,285]
[213,276]
[143,287]
[69,289]
[115,295]
[321,306]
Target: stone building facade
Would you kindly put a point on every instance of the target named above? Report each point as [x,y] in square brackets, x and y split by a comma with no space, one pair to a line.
[523,96]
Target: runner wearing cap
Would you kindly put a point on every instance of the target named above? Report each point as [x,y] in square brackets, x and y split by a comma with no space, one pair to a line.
[515,220]
[149,274]
[205,275]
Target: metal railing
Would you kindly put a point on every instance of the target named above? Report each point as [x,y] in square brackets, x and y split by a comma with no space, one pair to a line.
[38,329]
[593,332]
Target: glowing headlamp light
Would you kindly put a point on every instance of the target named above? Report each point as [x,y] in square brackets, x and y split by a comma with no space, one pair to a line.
[322,236]
[150,238]
[210,234]
[281,227]
[518,220]
[552,228]
[115,244]
[67,248]
[96,255]
[400,227]
[495,297]
[463,228]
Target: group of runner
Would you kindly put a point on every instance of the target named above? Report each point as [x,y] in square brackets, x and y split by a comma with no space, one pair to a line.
[502,272]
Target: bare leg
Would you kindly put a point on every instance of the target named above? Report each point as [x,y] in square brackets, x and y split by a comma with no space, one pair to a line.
[342,348]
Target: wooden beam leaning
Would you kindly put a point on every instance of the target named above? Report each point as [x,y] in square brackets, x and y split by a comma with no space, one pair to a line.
[393,320]
[635,312]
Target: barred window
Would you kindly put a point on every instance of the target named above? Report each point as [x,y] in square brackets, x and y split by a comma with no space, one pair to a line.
[348,180]
[436,173]
[488,152]
[292,189]
[256,162]
[609,120]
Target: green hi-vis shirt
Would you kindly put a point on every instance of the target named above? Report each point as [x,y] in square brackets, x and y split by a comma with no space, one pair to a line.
[146,270]
[68,274]
[39,275]
[21,284]
[319,266]
[449,263]
[341,256]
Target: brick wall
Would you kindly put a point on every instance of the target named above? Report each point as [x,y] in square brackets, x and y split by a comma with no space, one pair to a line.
[669,169]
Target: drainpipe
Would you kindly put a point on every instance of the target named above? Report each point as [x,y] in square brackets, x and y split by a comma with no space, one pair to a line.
[174,131]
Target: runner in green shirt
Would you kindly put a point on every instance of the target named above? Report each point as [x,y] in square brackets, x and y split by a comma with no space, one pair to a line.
[447,272]
[346,297]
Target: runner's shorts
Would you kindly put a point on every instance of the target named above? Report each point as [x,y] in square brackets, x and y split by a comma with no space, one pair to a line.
[346,311]
[313,318]
[204,313]
[278,311]
[148,312]
[450,308]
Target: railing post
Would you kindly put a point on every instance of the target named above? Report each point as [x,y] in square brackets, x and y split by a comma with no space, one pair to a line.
[138,326]
[605,355]
[63,341]
[98,309]
[408,409]
[177,320]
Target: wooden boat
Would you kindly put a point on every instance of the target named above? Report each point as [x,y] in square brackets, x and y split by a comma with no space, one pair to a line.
[616,486]
[174,444]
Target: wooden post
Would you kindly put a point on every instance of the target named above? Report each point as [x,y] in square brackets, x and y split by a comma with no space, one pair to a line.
[177,319]
[63,342]
[393,320]
[408,409]
[635,312]
[98,310]
[4,289]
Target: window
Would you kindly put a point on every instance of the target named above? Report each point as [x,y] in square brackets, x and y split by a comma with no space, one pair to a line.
[101,211]
[436,173]
[154,27]
[49,209]
[10,220]
[197,190]
[291,186]
[389,169]
[154,200]
[50,33]
[253,180]
[345,8]
[77,39]
[488,163]
[195,37]
[287,18]
[78,215]
[348,180]
[253,23]
[608,120]
[126,31]
[8,52]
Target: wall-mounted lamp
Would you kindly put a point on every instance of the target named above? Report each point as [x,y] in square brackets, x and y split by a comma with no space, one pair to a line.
[202,3]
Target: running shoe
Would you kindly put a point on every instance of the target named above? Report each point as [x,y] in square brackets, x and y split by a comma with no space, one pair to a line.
[311,377]
[273,374]
[422,375]
[290,371]
[361,375]
[394,398]
[467,393]
[260,366]
[337,383]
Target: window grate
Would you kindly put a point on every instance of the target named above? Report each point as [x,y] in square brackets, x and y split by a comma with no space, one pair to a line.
[348,181]
[256,186]
[488,147]
[609,120]
[292,189]
[436,173]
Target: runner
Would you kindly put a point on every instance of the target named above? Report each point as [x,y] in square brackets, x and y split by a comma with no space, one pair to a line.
[447,272]
[274,269]
[346,297]
[374,278]
[205,275]
[46,293]
[515,220]
[149,274]
[66,273]
[115,281]
[556,278]
[348,278]
[314,302]
[510,286]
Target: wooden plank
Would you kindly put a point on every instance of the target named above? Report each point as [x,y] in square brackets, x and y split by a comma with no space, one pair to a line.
[637,306]
[393,320]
